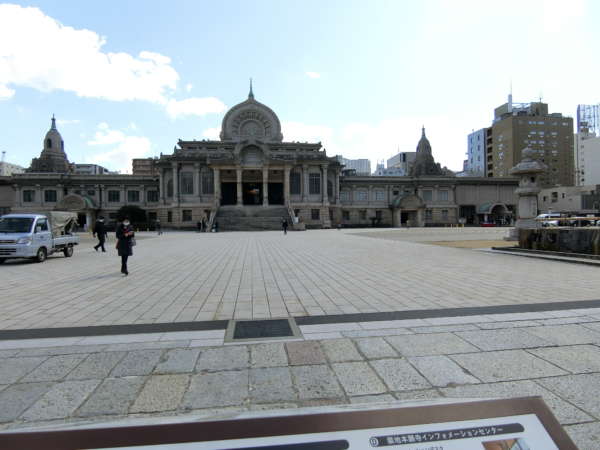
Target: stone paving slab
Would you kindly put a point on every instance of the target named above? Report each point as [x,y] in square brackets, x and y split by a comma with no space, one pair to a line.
[312,273]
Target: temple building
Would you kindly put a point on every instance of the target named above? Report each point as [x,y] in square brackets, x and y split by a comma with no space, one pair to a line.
[251,178]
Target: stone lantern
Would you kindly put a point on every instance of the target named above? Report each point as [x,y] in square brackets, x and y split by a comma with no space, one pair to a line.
[528,171]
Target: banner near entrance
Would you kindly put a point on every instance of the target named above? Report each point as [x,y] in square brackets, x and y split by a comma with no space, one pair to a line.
[515,424]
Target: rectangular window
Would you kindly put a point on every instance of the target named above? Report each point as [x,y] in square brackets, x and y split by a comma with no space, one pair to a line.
[346,215]
[428,215]
[314,183]
[28,195]
[152,196]
[42,225]
[378,214]
[344,196]
[362,196]
[50,196]
[379,196]
[169,216]
[114,196]
[187,183]
[91,192]
[444,214]
[208,182]
[133,196]
[295,182]
[443,196]
[315,214]
[362,214]
[427,196]
[187,215]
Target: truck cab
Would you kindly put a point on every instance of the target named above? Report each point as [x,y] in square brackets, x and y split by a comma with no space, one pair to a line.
[34,236]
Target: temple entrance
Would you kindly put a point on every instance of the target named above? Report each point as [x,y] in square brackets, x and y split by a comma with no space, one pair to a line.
[228,193]
[275,193]
[408,218]
[252,193]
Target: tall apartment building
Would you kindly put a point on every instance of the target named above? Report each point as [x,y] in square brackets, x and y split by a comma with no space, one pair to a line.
[475,164]
[362,166]
[144,166]
[403,161]
[520,125]
[587,145]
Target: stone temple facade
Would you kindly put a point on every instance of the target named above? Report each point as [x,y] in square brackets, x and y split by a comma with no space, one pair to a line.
[248,176]
[251,178]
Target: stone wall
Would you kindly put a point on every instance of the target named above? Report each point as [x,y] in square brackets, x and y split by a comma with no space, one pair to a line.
[561,239]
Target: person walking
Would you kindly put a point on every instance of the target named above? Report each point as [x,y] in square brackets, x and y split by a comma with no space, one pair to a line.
[158,228]
[125,243]
[100,233]
[284,225]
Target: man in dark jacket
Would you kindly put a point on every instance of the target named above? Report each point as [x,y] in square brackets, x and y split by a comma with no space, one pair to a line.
[125,243]
[100,232]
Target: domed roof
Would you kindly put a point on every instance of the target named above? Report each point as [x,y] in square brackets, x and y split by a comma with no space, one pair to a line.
[251,120]
[53,139]
[423,145]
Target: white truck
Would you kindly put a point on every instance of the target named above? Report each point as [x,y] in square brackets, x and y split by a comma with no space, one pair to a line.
[37,236]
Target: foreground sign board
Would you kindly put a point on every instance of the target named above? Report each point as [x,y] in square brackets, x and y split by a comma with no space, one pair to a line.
[516,424]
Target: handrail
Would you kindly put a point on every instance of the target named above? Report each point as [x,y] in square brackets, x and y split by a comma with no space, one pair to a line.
[212,216]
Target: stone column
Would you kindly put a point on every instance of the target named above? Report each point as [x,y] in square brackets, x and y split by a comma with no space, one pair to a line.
[123,194]
[175,183]
[324,194]
[265,180]
[161,185]
[40,193]
[337,187]
[18,195]
[286,185]
[239,186]
[304,183]
[197,190]
[217,187]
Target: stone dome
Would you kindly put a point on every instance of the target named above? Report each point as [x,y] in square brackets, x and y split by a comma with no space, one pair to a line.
[53,141]
[251,120]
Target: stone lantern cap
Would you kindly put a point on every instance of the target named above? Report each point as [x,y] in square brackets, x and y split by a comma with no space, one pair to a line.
[528,164]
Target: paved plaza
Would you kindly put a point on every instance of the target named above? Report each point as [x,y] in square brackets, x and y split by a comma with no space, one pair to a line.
[181,277]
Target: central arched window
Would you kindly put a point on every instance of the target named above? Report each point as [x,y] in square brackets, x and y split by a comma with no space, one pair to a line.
[49,143]
[170,188]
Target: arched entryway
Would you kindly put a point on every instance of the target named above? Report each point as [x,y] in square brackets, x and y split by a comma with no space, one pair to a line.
[82,205]
[408,210]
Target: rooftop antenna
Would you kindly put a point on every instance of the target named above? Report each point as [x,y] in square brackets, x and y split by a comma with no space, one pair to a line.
[251,94]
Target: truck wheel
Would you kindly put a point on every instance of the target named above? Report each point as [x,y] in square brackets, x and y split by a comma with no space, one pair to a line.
[68,252]
[41,255]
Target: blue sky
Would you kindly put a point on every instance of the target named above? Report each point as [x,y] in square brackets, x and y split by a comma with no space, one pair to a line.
[129,78]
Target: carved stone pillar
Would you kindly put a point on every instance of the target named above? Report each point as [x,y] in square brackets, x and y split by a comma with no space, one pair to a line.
[286,185]
[197,190]
[304,183]
[324,193]
[265,180]
[337,187]
[123,194]
[161,185]
[217,188]
[239,186]
[175,183]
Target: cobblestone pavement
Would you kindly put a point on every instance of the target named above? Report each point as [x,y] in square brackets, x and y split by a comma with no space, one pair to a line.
[195,277]
[554,354]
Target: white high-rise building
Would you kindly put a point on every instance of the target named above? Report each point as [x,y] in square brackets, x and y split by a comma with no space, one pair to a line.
[475,162]
[362,166]
[402,161]
[587,145]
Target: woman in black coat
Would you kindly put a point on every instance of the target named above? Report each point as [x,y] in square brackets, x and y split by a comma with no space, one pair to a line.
[125,243]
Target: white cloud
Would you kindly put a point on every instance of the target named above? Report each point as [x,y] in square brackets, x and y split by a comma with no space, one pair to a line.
[118,148]
[38,52]
[313,75]
[188,87]
[6,92]
[195,107]
[211,133]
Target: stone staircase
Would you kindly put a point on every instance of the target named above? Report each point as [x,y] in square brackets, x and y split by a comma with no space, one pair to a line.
[251,218]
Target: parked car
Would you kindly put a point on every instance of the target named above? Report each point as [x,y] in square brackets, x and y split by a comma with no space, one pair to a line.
[37,236]
[544,218]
